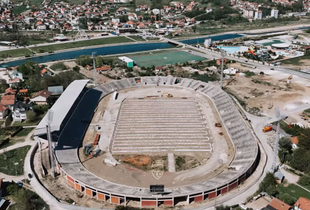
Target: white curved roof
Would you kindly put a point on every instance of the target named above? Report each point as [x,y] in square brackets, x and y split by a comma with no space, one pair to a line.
[61,107]
[281,45]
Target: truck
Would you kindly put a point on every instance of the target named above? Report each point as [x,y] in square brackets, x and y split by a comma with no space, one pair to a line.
[267,128]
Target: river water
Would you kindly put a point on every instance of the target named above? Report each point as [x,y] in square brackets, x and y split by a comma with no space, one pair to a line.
[118,49]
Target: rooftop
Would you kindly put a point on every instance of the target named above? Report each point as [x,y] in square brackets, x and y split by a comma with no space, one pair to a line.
[279,205]
[62,107]
[303,203]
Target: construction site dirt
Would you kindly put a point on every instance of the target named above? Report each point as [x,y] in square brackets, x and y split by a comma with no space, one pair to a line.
[263,92]
[191,165]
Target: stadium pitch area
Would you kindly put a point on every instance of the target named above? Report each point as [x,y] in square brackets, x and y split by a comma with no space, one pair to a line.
[163,59]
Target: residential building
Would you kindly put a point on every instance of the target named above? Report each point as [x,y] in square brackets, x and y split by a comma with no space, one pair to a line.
[19,111]
[219,61]
[16,75]
[56,90]
[274,13]
[41,97]
[46,72]
[8,101]
[104,68]
[294,140]
[278,205]
[10,91]
[258,15]
[302,204]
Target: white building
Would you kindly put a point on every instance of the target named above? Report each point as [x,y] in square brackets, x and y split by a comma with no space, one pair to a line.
[41,97]
[15,74]
[274,13]
[258,15]
[19,114]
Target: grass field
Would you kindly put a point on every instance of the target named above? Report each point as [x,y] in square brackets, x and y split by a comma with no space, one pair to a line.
[138,38]
[296,61]
[162,59]
[19,9]
[86,43]
[24,132]
[294,191]
[15,53]
[12,162]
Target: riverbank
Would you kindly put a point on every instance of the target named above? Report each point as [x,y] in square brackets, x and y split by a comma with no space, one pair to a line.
[121,48]
[264,31]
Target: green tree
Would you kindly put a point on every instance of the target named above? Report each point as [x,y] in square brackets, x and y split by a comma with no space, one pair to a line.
[285,143]
[304,139]
[287,198]
[304,180]
[31,116]
[268,185]
[123,18]
[301,160]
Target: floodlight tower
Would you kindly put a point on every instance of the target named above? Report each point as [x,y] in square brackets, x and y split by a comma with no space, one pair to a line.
[223,54]
[279,117]
[94,54]
[50,143]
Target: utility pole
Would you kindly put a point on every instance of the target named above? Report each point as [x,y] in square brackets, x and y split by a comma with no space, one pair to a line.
[223,54]
[94,66]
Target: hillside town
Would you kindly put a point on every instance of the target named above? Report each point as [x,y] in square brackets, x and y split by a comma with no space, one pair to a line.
[113,15]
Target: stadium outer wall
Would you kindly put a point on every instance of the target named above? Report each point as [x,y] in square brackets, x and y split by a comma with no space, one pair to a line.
[150,201]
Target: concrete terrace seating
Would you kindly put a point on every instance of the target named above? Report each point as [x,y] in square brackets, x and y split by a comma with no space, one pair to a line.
[130,128]
[158,125]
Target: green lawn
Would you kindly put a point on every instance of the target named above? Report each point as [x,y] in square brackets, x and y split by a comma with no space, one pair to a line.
[294,191]
[12,162]
[19,9]
[138,38]
[296,61]
[24,132]
[15,53]
[36,2]
[86,43]
[28,123]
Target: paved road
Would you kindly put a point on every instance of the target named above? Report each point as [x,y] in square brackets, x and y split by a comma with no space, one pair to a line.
[216,55]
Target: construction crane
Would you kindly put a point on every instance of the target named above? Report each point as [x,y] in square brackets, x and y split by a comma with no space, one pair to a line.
[279,117]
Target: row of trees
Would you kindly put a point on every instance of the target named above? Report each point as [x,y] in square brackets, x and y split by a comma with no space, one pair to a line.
[85,60]
[35,82]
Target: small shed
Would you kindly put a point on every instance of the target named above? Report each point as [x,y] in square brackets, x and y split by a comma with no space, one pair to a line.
[129,62]
[279,176]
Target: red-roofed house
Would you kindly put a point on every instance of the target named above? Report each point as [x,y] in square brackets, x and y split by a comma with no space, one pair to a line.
[279,205]
[103,68]
[45,72]
[8,100]
[10,91]
[294,140]
[302,204]
[41,97]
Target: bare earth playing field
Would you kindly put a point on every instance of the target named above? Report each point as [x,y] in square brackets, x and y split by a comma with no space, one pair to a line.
[187,117]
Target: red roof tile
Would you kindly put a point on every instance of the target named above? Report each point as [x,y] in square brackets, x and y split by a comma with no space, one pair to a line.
[279,205]
[303,203]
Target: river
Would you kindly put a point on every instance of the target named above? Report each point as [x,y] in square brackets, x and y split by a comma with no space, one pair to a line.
[117,49]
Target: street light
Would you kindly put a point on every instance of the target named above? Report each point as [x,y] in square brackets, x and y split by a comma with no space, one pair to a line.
[93,55]
[223,54]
